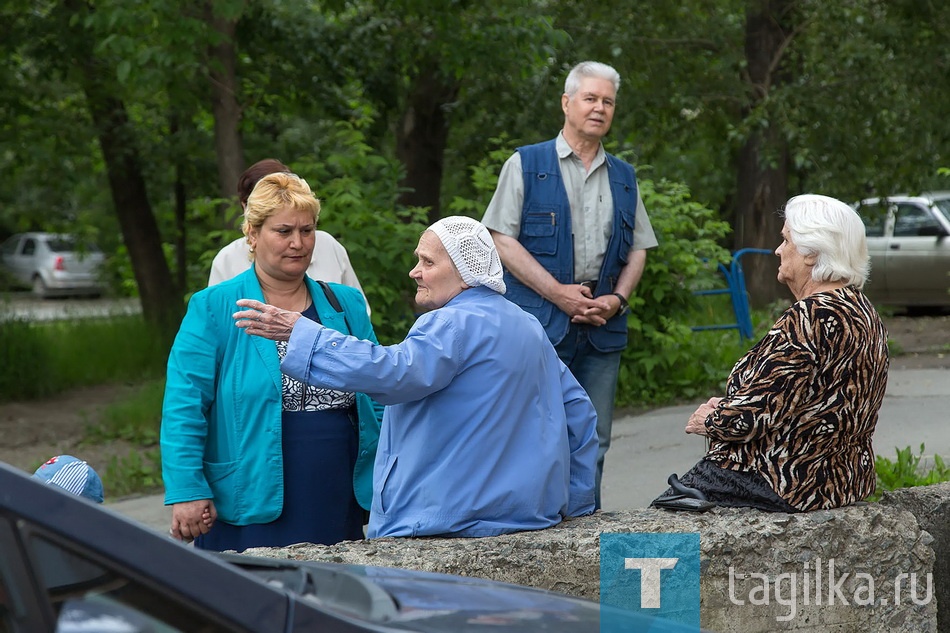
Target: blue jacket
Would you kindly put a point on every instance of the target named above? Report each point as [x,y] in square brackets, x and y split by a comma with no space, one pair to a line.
[546,233]
[485,432]
[221,418]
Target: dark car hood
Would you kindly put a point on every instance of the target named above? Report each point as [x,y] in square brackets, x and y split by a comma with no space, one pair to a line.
[402,599]
[428,602]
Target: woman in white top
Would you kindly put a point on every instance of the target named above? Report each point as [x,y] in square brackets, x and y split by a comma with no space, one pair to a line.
[330,260]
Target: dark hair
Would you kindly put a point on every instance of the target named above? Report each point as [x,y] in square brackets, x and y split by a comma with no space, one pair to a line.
[254,173]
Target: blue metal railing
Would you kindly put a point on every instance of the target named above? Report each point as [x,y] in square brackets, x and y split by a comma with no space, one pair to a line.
[735,288]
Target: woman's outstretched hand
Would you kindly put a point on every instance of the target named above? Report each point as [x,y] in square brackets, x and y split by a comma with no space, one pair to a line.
[267,321]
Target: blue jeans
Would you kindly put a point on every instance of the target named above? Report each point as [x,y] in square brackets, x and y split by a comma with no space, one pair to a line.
[597,373]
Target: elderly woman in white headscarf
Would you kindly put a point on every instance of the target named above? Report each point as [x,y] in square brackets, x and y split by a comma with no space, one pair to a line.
[486,431]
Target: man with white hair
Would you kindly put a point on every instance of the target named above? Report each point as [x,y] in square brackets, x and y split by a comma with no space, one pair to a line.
[486,431]
[573,234]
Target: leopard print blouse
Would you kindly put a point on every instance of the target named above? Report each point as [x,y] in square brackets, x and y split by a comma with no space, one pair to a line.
[801,406]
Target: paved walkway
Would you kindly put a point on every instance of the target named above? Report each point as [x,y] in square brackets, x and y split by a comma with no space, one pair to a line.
[646,448]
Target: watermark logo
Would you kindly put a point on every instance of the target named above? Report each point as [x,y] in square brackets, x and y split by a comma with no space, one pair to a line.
[646,577]
[823,583]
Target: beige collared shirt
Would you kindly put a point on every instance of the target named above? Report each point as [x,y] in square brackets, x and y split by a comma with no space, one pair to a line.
[592,208]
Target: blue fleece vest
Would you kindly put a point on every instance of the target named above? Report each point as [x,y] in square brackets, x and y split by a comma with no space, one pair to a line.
[546,233]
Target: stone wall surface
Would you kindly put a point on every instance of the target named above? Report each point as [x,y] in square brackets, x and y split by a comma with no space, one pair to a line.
[931,506]
[872,543]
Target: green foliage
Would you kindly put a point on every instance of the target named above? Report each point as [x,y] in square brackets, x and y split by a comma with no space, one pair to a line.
[684,365]
[201,242]
[52,357]
[907,472]
[664,360]
[483,176]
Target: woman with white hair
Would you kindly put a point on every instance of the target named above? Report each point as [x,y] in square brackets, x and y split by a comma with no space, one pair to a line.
[486,431]
[794,430]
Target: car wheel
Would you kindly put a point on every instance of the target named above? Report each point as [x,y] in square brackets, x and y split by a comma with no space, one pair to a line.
[39,287]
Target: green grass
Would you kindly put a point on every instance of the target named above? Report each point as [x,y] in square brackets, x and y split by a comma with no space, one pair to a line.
[136,473]
[894,348]
[135,419]
[52,357]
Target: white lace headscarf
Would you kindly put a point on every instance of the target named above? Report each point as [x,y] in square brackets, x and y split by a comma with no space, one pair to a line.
[471,248]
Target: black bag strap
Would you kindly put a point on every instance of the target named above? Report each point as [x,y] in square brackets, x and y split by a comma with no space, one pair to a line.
[331,296]
[353,413]
[335,303]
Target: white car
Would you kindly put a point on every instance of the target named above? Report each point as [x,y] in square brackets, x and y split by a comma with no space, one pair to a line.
[53,264]
[909,244]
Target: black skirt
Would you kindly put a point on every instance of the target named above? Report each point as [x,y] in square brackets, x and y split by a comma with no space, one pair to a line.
[319,450]
[733,488]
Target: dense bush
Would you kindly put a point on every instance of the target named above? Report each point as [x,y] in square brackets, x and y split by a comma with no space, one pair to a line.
[27,360]
[664,359]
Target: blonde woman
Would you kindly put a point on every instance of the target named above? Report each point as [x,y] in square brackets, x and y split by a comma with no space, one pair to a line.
[252,458]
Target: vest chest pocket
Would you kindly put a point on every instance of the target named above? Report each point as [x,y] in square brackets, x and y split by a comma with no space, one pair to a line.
[627,225]
[539,230]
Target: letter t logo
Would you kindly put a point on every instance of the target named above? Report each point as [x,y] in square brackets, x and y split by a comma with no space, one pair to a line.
[667,559]
[649,578]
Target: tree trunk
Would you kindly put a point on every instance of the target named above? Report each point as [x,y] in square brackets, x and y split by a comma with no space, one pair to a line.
[761,193]
[421,139]
[161,301]
[762,185]
[228,145]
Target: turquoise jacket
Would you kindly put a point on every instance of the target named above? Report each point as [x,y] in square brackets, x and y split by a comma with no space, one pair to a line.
[221,418]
